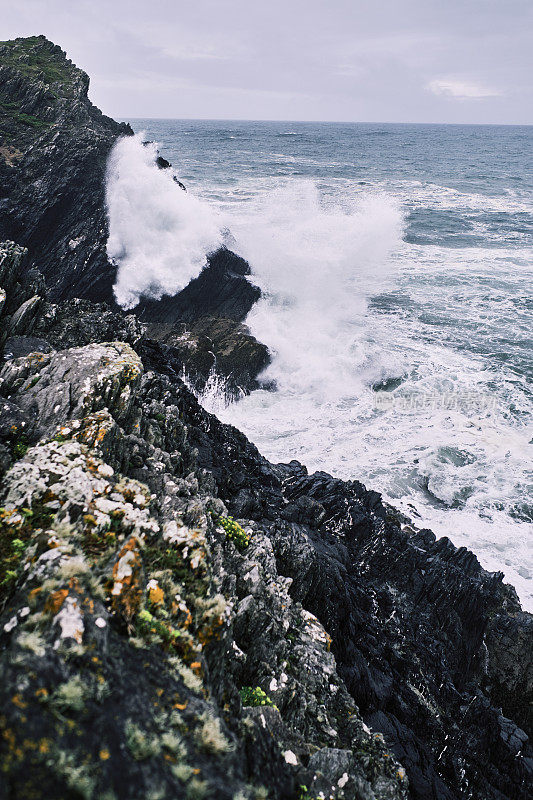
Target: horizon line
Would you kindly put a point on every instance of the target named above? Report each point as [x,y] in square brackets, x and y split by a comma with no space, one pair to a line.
[330,121]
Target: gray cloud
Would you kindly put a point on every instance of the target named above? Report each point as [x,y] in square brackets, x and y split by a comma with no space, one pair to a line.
[387,60]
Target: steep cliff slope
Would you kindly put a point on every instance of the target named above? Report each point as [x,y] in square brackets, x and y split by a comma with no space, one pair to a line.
[54,149]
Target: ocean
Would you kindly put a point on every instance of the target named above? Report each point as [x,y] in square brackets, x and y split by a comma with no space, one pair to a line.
[396,266]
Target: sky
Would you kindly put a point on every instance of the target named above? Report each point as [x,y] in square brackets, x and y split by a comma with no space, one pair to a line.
[443,61]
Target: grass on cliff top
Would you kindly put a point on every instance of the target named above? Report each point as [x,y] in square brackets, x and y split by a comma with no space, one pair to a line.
[35,57]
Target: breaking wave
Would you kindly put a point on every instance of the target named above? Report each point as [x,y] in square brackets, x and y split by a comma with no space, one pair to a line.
[159,235]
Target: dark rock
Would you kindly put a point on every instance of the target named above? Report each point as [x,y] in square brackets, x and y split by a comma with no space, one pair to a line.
[130,619]
[18,346]
[75,323]
[222,289]
[214,346]
[21,293]
[112,704]
[55,146]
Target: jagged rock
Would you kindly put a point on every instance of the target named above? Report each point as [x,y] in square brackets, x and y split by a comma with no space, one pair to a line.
[408,617]
[134,609]
[123,610]
[18,346]
[222,289]
[76,323]
[22,291]
[214,346]
[23,318]
[52,201]
[52,196]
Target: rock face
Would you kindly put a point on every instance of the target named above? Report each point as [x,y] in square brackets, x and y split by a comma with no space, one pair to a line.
[144,610]
[54,147]
[203,325]
[319,646]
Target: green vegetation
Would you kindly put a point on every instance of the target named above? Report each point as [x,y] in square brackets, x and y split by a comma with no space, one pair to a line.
[19,447]
[149,627]
[13,543]
[33,58]
[303,793]
[12,112]
[254,697]
[16,530]
[234,531]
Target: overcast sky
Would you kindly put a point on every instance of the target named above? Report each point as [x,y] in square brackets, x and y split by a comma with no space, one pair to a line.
[354,60]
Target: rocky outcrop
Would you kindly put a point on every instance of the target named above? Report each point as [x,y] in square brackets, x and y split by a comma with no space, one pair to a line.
[203,325]
[178,616]
[21,293]
[152,644]
[54,148]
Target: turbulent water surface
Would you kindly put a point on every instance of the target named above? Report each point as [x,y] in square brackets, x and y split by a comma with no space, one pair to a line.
[396,265]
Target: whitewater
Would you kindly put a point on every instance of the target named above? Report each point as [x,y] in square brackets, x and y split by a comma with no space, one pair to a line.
[395,266]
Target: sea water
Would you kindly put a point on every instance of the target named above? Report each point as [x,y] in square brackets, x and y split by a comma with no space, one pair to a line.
[396,266]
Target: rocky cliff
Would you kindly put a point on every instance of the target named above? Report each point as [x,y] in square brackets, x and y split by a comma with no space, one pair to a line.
[181,618]
[54,149]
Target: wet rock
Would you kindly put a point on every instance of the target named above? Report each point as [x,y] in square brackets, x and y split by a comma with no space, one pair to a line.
[214,346]
[52,201]
[222,289]
[18,346]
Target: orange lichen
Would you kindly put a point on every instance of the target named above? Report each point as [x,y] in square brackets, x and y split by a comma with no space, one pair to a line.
[104,754]
[156,595]
[55,601]
[210,631]
[127,592]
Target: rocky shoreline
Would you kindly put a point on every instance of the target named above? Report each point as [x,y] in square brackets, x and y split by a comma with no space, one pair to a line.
[179,617]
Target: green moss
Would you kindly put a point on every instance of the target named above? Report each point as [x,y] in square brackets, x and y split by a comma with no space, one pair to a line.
[254,697]
[233,530]
[31,58]
[304,794]
[19,447]
[151,627]
[158,558]
[16,530]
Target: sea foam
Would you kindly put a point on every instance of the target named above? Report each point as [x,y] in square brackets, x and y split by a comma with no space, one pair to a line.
[159,235]
[314,262]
